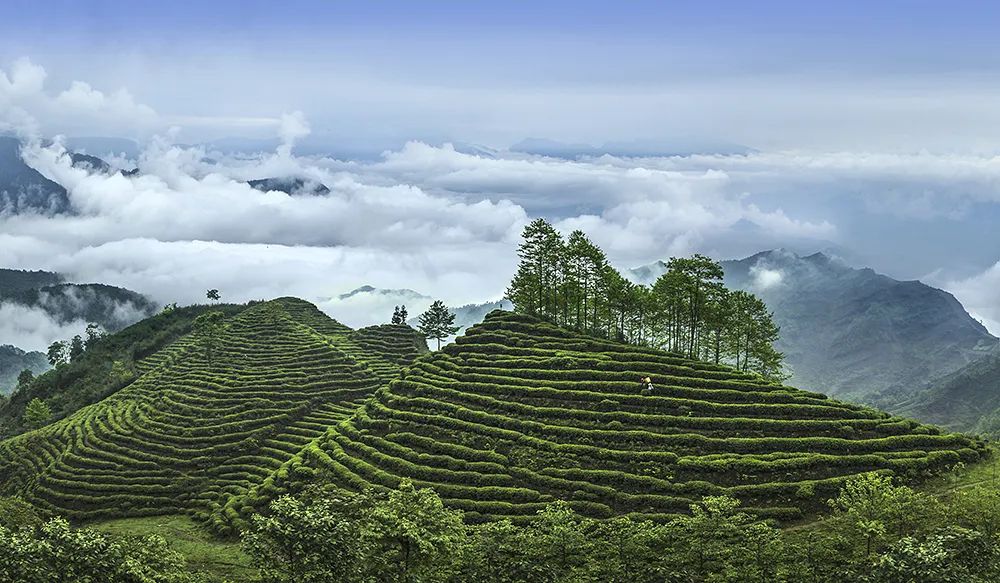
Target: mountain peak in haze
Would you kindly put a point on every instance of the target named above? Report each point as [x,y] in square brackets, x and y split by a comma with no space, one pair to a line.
[853,332]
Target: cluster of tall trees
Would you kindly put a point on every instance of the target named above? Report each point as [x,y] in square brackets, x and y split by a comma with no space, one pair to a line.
[688,310]
[63,351]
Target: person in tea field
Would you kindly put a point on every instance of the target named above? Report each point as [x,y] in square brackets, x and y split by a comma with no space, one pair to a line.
[647,386]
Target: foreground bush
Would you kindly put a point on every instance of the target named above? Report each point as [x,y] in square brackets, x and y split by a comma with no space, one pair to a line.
[54,552]
[880,532]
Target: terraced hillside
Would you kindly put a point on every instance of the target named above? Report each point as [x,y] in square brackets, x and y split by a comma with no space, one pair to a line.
[518,413]
[199,425]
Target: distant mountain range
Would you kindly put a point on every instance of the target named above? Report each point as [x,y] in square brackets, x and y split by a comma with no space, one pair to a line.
[854,333]
[631,149]
[290,185]
[13,360]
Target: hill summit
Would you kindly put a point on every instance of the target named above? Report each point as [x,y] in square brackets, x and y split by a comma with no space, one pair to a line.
[519,412]
[208,416]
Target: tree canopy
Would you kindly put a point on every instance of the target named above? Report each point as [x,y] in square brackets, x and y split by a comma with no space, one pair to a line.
[687,310]
[437,322]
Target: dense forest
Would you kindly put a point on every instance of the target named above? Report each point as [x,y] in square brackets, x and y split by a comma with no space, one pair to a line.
[688,310]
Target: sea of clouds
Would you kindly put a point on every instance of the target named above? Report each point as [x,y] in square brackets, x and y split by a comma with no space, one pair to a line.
[440,219]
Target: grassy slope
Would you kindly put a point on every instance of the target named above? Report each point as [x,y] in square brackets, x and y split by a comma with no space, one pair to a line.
[218,560]
[190,431]
[518,413]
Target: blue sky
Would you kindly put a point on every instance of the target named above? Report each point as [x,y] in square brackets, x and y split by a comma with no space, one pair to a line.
[868,128]
[768,74]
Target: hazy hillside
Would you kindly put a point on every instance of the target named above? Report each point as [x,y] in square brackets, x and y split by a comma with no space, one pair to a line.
[111,307]
[965,400]
[853,332]
[518,413]
[206,417]
[42,304]
[22,188]
[13,360]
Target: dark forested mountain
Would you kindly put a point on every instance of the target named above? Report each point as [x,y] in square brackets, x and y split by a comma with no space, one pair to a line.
[91,163]
[22,188]
[290,185]
[965,400]
[853,332]
[13,281]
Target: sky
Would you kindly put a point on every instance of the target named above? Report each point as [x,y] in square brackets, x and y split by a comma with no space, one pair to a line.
[869,130]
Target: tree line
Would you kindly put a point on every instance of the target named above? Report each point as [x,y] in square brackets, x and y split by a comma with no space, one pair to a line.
[688,310]
[878,532]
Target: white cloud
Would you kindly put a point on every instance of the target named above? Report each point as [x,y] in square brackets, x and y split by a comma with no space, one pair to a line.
[32,328]
[762,278]
[980,294]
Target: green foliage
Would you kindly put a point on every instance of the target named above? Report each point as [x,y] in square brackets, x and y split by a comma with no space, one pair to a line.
[519,412]
[405,536]
[213,294]
[76,348]
[437,322]
[208,328]
[57,353]
[56,552]
[15,513]
[413,536]
[876,509]
[687,310]
[948,555]
[309,543]
[36,414]
[24,379]
[183,435]
[71,386]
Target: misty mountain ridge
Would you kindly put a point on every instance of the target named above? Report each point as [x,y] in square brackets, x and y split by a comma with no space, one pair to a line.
[290,185]
[24,189]
[626,149]
[967,399]
[852,332]
[49,298]
[13,360]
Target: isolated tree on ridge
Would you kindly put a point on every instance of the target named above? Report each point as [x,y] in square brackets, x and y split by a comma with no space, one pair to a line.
[213,294]
[437,322]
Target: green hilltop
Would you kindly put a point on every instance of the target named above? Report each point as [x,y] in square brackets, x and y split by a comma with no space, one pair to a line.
[206,418]
[518,413]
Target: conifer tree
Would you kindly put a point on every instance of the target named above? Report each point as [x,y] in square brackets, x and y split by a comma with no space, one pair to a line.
[36,414]
[437,322]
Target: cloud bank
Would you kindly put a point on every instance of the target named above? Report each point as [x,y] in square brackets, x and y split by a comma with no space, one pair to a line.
[443,219]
